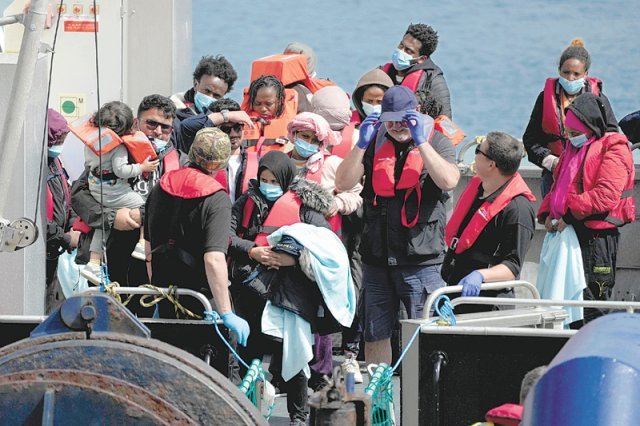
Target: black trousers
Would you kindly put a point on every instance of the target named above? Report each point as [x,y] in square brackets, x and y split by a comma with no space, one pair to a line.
[599,254]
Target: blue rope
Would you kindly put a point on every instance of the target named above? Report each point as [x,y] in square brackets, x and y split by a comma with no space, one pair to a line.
[213,316]
[445,312]
[104,277]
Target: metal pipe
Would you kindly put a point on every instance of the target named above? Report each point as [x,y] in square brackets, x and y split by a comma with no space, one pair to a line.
[142,290]
[546,302]
[496,331]
[485,286]
[11,19]
[20,94]
[439,360]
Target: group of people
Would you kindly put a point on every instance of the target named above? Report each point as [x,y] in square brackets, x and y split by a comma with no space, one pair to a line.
[302,211]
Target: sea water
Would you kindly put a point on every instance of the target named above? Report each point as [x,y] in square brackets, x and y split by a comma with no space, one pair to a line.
[495,54]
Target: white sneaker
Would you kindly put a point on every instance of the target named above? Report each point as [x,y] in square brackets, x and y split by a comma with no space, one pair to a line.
[138,252]
[350,365]
[92,272]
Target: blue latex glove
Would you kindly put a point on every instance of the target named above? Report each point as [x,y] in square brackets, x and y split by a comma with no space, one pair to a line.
[471,284]
[420,126]
[368,130]
[237,325]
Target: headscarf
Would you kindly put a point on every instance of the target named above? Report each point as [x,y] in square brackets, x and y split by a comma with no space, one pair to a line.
[312,58]
[332,103]
[572,161]
[58,127]
[318,125]
[280,165]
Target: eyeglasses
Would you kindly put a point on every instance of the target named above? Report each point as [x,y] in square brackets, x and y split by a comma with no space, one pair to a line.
[153,124]
[478,151]
[227,128]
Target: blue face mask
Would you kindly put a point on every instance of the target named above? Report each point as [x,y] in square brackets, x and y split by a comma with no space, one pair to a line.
[270,191]
[579,140]
[369,109]
[54,151]
[572,87]
[159,144]
[305,149]
[401,60]
[203,101]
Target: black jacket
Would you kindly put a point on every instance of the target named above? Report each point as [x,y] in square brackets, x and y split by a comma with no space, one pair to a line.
[431,82]
[535,139]
[58,185]
[288,287]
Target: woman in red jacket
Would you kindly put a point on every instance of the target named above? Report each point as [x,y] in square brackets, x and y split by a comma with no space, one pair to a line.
[593,191]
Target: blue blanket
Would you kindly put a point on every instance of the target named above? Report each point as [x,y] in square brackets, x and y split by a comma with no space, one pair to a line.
[561,274]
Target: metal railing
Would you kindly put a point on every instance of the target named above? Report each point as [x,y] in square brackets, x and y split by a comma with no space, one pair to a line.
[485,286]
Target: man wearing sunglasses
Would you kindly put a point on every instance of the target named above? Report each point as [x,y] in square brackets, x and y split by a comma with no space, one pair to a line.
[155,117]
[407,171]
[228,117]
[493,223]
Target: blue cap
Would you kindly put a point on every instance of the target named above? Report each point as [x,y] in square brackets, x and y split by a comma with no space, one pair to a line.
[396,102]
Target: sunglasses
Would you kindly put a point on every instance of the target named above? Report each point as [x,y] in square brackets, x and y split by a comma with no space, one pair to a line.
[152,125]
[237,127]
[478,151]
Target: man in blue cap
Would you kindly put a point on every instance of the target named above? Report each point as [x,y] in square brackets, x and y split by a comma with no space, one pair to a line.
[407,171]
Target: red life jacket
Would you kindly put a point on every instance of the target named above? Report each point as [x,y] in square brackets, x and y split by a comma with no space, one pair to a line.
[551,119]
[250,171]
[506,415]
[355,118]
[285,211]
[344,148]
[171,161]
[383,177]
[483,215]
[410,80]
[189,183]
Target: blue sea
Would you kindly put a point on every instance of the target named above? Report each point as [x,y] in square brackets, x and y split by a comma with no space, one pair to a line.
[495,54]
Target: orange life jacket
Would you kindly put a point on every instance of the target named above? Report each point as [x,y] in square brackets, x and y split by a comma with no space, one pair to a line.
[285,211]
[551,119]
[273,129]
[447,127]
[461,241]
[250,171]
[410,80]
[383,177]
[84,129]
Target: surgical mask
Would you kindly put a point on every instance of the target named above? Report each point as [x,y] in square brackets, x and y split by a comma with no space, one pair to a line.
[401,60]
[54,151]
[572,86]
[159,144]
[305,149]
[369,109]
[578,141]
[203,101]
[271,191]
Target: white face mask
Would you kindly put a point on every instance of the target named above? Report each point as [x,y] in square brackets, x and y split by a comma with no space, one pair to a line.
[369,109]
[579,140]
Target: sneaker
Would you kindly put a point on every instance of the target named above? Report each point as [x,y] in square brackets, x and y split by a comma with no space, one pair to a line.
[350,365]
[138,252]
[92,272]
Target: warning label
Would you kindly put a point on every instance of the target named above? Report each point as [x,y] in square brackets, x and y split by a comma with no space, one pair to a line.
[81,26]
